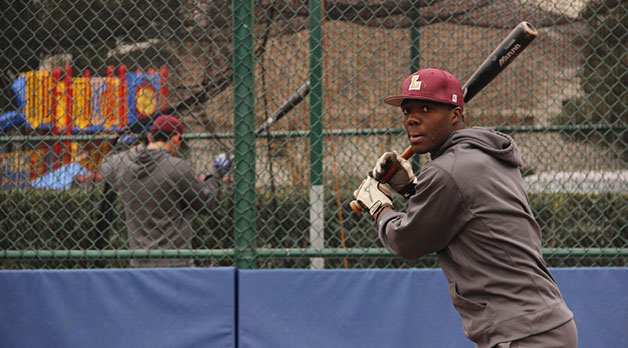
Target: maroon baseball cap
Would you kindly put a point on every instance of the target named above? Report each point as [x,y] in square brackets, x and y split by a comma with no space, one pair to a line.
[430,84]
[167,124]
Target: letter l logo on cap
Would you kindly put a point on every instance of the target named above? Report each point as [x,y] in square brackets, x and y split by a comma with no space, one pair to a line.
[415,84]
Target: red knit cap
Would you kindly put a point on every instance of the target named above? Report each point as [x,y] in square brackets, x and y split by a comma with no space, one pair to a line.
[167,124]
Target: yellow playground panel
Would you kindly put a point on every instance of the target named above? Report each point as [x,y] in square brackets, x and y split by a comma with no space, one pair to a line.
[57,103]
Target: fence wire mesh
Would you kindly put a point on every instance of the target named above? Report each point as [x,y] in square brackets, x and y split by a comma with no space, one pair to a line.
[85,79]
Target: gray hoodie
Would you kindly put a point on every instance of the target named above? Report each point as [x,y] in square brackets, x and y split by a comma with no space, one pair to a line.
[160,193]
[471,209]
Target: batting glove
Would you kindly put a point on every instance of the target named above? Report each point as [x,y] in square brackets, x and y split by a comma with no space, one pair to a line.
[373,196]
[403,181]
[223,164]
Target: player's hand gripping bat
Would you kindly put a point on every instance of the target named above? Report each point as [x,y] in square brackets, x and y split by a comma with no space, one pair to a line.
[516,41]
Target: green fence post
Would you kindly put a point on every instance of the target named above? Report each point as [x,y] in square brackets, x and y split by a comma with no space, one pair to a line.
[244,134]
[316,131]
[415,42]
[415,60]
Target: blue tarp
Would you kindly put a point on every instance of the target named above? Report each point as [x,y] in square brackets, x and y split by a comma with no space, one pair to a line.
[61,178]
[19,89]
[11,120]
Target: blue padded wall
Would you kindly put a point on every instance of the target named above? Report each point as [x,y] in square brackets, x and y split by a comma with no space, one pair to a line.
[598,297]
[347,308]
[220,307]
[402,308]
[184,307]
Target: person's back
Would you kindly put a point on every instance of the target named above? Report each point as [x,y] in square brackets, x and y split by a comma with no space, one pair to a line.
[494,264]
[160,192]
[157,190]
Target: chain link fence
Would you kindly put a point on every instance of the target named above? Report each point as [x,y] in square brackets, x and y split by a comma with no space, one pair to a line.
[84,79]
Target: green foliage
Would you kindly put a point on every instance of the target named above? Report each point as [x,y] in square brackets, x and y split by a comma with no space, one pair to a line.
[50,220]
[581,220]
[67,220]
[578,220]
[604,78]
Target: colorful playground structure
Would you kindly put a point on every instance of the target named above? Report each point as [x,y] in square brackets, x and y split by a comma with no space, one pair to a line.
[55,103]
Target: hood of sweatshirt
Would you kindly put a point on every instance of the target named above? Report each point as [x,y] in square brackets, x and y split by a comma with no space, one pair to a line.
[496,144]
[144,161]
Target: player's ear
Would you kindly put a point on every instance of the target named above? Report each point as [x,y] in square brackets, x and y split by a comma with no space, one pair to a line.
[176,139]
[150,138]
[456,115]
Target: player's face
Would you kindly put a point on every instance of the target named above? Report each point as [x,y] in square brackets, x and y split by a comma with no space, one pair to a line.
[428,124]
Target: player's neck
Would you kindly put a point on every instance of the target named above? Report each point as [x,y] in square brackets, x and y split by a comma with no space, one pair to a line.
[166,146]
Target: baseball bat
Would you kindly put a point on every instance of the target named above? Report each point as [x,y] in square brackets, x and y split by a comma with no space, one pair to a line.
[292,101]
[517,40]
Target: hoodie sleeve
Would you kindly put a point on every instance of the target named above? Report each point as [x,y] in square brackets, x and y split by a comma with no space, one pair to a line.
[435,214]
[108,168]
[200,196]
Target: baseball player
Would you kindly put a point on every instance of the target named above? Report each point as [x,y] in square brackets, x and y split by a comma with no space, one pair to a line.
[468,205]
[161,191]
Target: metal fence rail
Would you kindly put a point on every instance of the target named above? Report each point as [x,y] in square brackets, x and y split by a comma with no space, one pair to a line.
[85,78]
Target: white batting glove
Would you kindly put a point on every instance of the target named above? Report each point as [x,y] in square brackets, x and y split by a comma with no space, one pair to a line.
[403,181]
[373,196]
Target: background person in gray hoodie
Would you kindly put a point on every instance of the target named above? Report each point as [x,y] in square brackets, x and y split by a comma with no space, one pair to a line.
[160,192]
[468,205]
